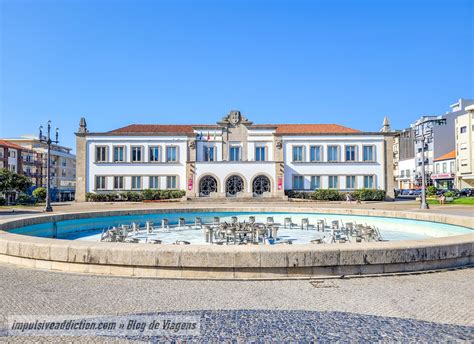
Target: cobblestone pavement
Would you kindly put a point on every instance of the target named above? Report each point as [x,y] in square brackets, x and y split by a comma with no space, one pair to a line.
[424,307]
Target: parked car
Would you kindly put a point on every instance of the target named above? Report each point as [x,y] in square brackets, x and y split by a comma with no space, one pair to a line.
[416,192]
[467,192]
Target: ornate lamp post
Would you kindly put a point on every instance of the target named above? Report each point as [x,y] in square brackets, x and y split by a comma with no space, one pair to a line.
[424,135]
[48,141]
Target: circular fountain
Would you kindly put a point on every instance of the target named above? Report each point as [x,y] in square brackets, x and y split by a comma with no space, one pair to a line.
[236,243]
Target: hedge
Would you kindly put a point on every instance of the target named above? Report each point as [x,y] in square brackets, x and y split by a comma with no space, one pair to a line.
[134,196]
[335,195]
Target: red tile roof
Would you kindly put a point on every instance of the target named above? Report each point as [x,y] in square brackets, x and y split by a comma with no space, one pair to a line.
[154,128]
[314,129]
[280,128]
[447,156]
[10,145]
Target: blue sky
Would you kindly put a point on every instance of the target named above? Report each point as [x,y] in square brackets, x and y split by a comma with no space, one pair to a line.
[123,62]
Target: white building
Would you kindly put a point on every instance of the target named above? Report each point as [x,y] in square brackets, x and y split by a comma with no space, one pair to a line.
[234,158]
[444,171]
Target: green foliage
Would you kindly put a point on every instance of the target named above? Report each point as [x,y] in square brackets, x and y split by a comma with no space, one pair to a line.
[135,196]
[431,190]
[23,198]
[449,194]
[335,195]
[40,194]
[11,181]
[2,200]
[368,195]
[326,195]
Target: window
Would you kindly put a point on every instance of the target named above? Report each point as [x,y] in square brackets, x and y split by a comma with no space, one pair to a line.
[315,182]
[333,153]
[368,182]
[333,182]
[403,173]
[407,173]
[368,153]
[171,182]
[136,182]
[119,154]
[298,182]
[101,154]
[350,182]
[154,154]
[209,153]
[260,153]
[445,167]
[234,153]
[316,153]
[12,154]
[462,130]
[171,154]
[118,182]
[298,154]
[154,182]
[451,167]
[100,183]
[350,153]
[437,168]
[136,154]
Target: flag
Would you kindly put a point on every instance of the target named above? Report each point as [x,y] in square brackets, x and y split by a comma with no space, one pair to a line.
[200,136]
[208,136]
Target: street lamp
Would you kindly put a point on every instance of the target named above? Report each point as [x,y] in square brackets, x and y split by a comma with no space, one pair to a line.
[424,134]
[47,139]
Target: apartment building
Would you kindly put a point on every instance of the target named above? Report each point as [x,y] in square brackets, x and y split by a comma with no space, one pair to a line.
[63,167]
[464,135]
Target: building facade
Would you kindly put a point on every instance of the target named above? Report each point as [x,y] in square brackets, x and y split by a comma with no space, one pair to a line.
[404,159]
[63,167]
[441,140]
[465,149]
[444,173]
[233,158]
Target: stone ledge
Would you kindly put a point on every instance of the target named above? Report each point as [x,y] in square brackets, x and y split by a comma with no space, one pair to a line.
[236,262]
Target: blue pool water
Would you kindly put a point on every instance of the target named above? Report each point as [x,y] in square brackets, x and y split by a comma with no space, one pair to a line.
[91,229]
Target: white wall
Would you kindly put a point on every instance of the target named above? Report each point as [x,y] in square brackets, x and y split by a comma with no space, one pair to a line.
[341,168]
[247,170]
[128,169]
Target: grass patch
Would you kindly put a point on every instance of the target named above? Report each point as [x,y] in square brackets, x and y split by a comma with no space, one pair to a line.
[460,201]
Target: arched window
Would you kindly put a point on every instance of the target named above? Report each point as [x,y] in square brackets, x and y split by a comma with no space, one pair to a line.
[261,184]
[207,185]
[233,186]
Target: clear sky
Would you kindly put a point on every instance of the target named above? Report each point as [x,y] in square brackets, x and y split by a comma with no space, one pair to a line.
[123,62]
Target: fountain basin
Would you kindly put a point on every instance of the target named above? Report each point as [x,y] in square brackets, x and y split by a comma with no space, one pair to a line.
[237,262]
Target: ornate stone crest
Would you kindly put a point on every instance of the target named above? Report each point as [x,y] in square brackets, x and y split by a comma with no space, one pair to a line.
[234,118]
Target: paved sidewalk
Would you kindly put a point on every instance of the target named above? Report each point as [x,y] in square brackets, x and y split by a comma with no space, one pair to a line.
[362,309]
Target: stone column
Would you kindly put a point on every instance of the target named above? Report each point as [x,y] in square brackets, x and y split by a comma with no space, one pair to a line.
[388,167]
[81,160]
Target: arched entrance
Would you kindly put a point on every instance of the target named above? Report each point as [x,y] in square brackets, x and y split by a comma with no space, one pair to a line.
[207,185]
[260,185]
[234,185]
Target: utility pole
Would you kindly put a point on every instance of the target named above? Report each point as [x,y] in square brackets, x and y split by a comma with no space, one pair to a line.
[49,142]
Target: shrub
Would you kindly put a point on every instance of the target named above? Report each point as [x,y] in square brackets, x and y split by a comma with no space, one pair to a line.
[431,190]
[40,194]
[135,196]
[449,194]
[326,195]
[148,194]
[368,195]
[2,200]
[23,198]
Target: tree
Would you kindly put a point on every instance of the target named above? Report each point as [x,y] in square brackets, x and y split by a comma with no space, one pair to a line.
[40,194]
[11,182]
